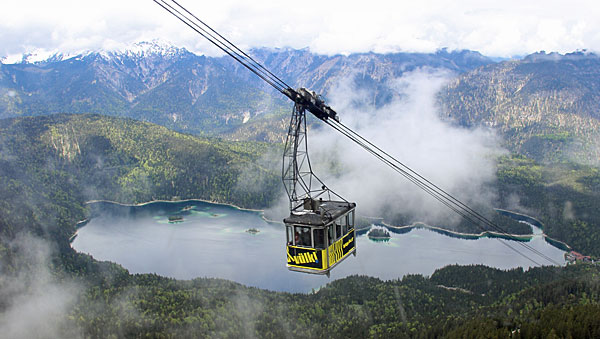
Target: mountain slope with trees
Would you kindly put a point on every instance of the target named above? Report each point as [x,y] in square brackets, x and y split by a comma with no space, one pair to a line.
[61,161]
[546,105]
[50,165]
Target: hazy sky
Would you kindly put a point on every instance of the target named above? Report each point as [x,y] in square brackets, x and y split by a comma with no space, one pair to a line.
[495,28]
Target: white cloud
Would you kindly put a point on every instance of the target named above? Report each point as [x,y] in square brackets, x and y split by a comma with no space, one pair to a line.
[36,303]
[503,29]
[460,161]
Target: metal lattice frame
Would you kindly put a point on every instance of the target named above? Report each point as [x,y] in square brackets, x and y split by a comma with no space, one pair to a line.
[298,178]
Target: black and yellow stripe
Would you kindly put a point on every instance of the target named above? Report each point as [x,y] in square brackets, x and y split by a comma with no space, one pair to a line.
[320,261]
[336,252]
[306,258]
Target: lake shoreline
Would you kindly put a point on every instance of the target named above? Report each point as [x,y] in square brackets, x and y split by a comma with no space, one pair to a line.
[84,222]
[215,243]
[171,201]
[485,234]
[262,212]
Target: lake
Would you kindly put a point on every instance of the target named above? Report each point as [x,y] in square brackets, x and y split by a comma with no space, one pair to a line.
[212,241]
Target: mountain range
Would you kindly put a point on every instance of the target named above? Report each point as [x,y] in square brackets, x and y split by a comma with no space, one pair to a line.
[544,105]
[160,83]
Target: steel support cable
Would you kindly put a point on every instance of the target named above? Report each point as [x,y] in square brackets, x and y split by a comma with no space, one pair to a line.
[412,179]
[474,215]
[231,47]
[273,76]
[400,171]
[256,68]
[222,46]
[441,197]
[433,193]
[442,192]
[453,200]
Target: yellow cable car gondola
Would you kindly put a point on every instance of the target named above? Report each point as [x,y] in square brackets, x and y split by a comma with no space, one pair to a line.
[320,231]
[324,226]
[320,236]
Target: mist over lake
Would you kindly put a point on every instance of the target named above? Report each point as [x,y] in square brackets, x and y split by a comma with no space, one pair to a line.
[212,241]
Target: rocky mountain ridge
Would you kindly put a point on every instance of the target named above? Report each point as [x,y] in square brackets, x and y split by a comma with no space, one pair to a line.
[208,95]
[545,105]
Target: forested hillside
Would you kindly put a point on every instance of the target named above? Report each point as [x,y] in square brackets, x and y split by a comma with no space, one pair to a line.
[546,105]
[563,196]
[129,161]
[49,166]
[468,301]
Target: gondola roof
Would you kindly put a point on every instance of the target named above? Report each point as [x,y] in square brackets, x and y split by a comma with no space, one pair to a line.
[328,212]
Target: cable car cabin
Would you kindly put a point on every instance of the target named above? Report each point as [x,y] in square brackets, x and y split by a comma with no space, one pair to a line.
[320,237]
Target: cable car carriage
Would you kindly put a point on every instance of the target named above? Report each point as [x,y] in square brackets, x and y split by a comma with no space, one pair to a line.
[319,230]
[320,235]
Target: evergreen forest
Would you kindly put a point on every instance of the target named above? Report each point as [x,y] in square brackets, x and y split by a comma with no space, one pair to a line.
[51,166]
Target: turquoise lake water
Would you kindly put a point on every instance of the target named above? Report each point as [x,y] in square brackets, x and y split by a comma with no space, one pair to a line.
[212,242]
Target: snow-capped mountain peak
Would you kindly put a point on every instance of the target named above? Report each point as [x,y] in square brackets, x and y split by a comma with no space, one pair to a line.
[37,56]
[141,49]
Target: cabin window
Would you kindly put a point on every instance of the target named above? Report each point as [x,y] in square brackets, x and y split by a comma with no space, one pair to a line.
[302,236]
[338,231]
[331,234]
[344,223]
[350,218]
[319,238]
[290,235]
